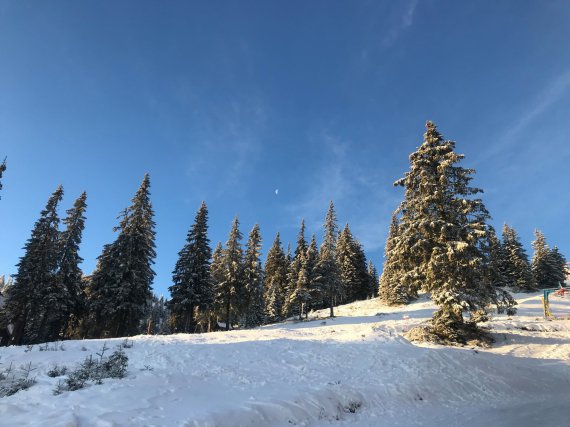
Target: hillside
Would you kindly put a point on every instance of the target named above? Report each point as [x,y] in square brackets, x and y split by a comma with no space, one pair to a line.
[355,370]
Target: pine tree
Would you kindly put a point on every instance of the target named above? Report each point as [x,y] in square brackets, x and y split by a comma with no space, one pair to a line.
[372,280]
[392,289]
[230,287]
[560,267]
[26,306]
[192,283]
[70,302]
[441,233]
[543,271]
[121,283]
[353,269]
[496,259]
[327,270]
[291,305]
[276,268]
[254,309]
[517,267]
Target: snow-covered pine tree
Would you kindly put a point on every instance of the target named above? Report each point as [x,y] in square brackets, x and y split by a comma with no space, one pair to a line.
[327,271]
[254,308]
[444,226]
[496,259]
[372,280]
[291,306]
[353,269]
[276,268]
[392,289]
[517,267]
[494,264]
[25,304]
[71,306]
[192,284]
[121,283]
[230,285]
[543,270]
[560,266]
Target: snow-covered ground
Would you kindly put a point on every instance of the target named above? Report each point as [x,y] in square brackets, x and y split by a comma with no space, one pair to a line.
[354,370]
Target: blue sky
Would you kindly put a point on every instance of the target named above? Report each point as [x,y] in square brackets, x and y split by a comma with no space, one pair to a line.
[227,101]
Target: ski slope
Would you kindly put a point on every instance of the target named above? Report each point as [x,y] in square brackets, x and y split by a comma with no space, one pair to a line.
[354,370]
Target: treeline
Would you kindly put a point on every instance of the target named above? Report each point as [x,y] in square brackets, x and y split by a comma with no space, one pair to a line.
[51,299]
[440,241]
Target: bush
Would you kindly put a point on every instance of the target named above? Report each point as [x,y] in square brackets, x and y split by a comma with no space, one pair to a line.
[95,370]
[57,371]
[12,382]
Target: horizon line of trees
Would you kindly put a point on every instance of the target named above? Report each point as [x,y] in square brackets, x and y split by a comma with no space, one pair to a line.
[50,298]
[440,241]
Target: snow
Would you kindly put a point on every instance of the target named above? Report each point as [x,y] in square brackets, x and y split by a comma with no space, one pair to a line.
[354,370]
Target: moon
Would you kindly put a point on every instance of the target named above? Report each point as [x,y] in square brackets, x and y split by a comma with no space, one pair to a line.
[277,191]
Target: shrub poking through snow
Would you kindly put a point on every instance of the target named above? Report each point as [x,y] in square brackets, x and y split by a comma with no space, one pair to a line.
[57,371]
[95,369]
[12,381]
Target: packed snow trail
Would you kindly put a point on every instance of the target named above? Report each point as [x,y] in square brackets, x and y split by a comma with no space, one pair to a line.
[356,370]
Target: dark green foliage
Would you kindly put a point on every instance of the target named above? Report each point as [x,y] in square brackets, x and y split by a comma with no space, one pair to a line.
[327,271]
[517,268]
[372,280]
[548,265]
[229,279]
[253,311]
[157,317]
[192,285]
[121,284]
[69,302]
[276,269]
[441,234]
[560,267]
[353,269]
[496,260]
[393,289]
[36,280]
[292,304]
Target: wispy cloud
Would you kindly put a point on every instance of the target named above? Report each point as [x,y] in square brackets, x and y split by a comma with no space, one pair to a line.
[406,21]
[361,195]
[551,93]
[228,143]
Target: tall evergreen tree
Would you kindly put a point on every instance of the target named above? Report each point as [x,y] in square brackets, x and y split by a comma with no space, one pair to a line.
[517,267]
[560,266]
[442,227]
[192,284]
[327,270]
[393,289]
[121,283]
[353,269]
[295,265]
[496,259]
[69,301]
[254,308]
[276,268]
[543,271]
[26,305]
[372,280]
[230,288]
